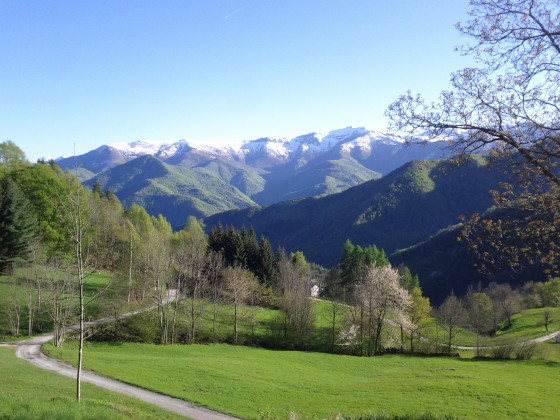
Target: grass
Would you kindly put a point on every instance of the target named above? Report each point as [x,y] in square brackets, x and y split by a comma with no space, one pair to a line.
[530,324]
[27,392]
[253,382]
[526,325]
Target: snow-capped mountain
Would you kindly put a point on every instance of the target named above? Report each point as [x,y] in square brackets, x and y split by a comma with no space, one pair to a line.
[265,171]
[276,149]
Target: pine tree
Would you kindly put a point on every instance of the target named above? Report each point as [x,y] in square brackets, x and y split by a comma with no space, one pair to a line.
[267,263]
[252,251]
[18,227]
[97,188]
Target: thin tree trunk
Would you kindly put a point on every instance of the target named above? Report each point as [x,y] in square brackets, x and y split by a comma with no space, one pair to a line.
[129,297]
[361,329]
[333,328]
[79,262]
[215,314]
[175,308]
[235,322]
[193,315]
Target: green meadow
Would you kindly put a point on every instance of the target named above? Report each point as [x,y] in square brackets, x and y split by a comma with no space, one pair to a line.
[27,392]
[254,383]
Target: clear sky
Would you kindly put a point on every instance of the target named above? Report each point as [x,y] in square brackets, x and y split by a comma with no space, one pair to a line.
[95,72]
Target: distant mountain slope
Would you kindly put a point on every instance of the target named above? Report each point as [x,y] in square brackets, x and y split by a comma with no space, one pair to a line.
[175,192]
[445,264]
[271,170]
[399,210]
[93,162]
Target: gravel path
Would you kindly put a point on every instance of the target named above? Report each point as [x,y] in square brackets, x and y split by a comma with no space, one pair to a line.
[30,351]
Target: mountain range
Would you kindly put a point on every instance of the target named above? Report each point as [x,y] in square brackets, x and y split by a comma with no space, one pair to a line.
[183,178]
[311,193]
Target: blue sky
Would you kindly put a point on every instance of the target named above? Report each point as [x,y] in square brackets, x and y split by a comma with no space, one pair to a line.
[87,73]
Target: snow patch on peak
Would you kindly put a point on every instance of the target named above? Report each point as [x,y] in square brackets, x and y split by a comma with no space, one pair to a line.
[347,132]
[348,139]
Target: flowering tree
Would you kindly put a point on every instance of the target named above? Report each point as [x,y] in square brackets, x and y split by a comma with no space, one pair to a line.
[380,294]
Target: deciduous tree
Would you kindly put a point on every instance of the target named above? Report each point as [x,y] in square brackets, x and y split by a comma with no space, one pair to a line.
[381,294]
[450,314]
[419,314]
[479,313]
[509,107]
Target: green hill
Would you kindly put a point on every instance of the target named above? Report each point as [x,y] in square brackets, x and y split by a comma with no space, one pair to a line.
[176,192]
[397,211]
[319,177]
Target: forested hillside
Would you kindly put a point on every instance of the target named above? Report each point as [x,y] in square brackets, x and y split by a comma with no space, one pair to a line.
[397,211]
[173,191]
[258,172]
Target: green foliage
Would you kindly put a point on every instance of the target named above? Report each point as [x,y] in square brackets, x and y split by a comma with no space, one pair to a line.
[11,156]
[18,226]
[547,293]
[44,186]
[174,191]
[240,248]
[394,212]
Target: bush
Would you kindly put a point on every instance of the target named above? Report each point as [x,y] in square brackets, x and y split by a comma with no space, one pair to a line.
[525,351]
[141,328]
[501,352]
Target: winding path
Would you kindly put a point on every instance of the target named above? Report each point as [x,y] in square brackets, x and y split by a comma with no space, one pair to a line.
[30,351]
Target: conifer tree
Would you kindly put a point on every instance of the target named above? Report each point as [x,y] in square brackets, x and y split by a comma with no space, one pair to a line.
[18,227]
[267,264]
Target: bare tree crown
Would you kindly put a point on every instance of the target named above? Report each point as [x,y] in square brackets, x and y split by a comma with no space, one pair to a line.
[510,104]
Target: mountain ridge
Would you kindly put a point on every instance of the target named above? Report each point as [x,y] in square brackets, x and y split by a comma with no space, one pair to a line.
[396,211]
[265,170]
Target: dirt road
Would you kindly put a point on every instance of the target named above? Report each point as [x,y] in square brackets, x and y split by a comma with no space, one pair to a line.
[30,351]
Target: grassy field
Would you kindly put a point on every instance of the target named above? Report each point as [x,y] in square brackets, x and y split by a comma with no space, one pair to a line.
[27,392]
[252,382]
[530,324]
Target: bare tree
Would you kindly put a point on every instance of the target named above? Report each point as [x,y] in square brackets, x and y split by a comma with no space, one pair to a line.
[294,284]
[158,263]
[450,314]
[74,213]
[215,274]
[335,313]
[132,238]
[13,305]
[189,250]
[505,302]
[59,296]
[238,285]
[510,107]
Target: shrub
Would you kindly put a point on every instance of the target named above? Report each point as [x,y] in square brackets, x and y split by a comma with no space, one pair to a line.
[525,351]
[501,352]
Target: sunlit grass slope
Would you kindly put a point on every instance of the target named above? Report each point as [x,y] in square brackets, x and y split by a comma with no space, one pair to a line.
[27,392]
[248,382]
